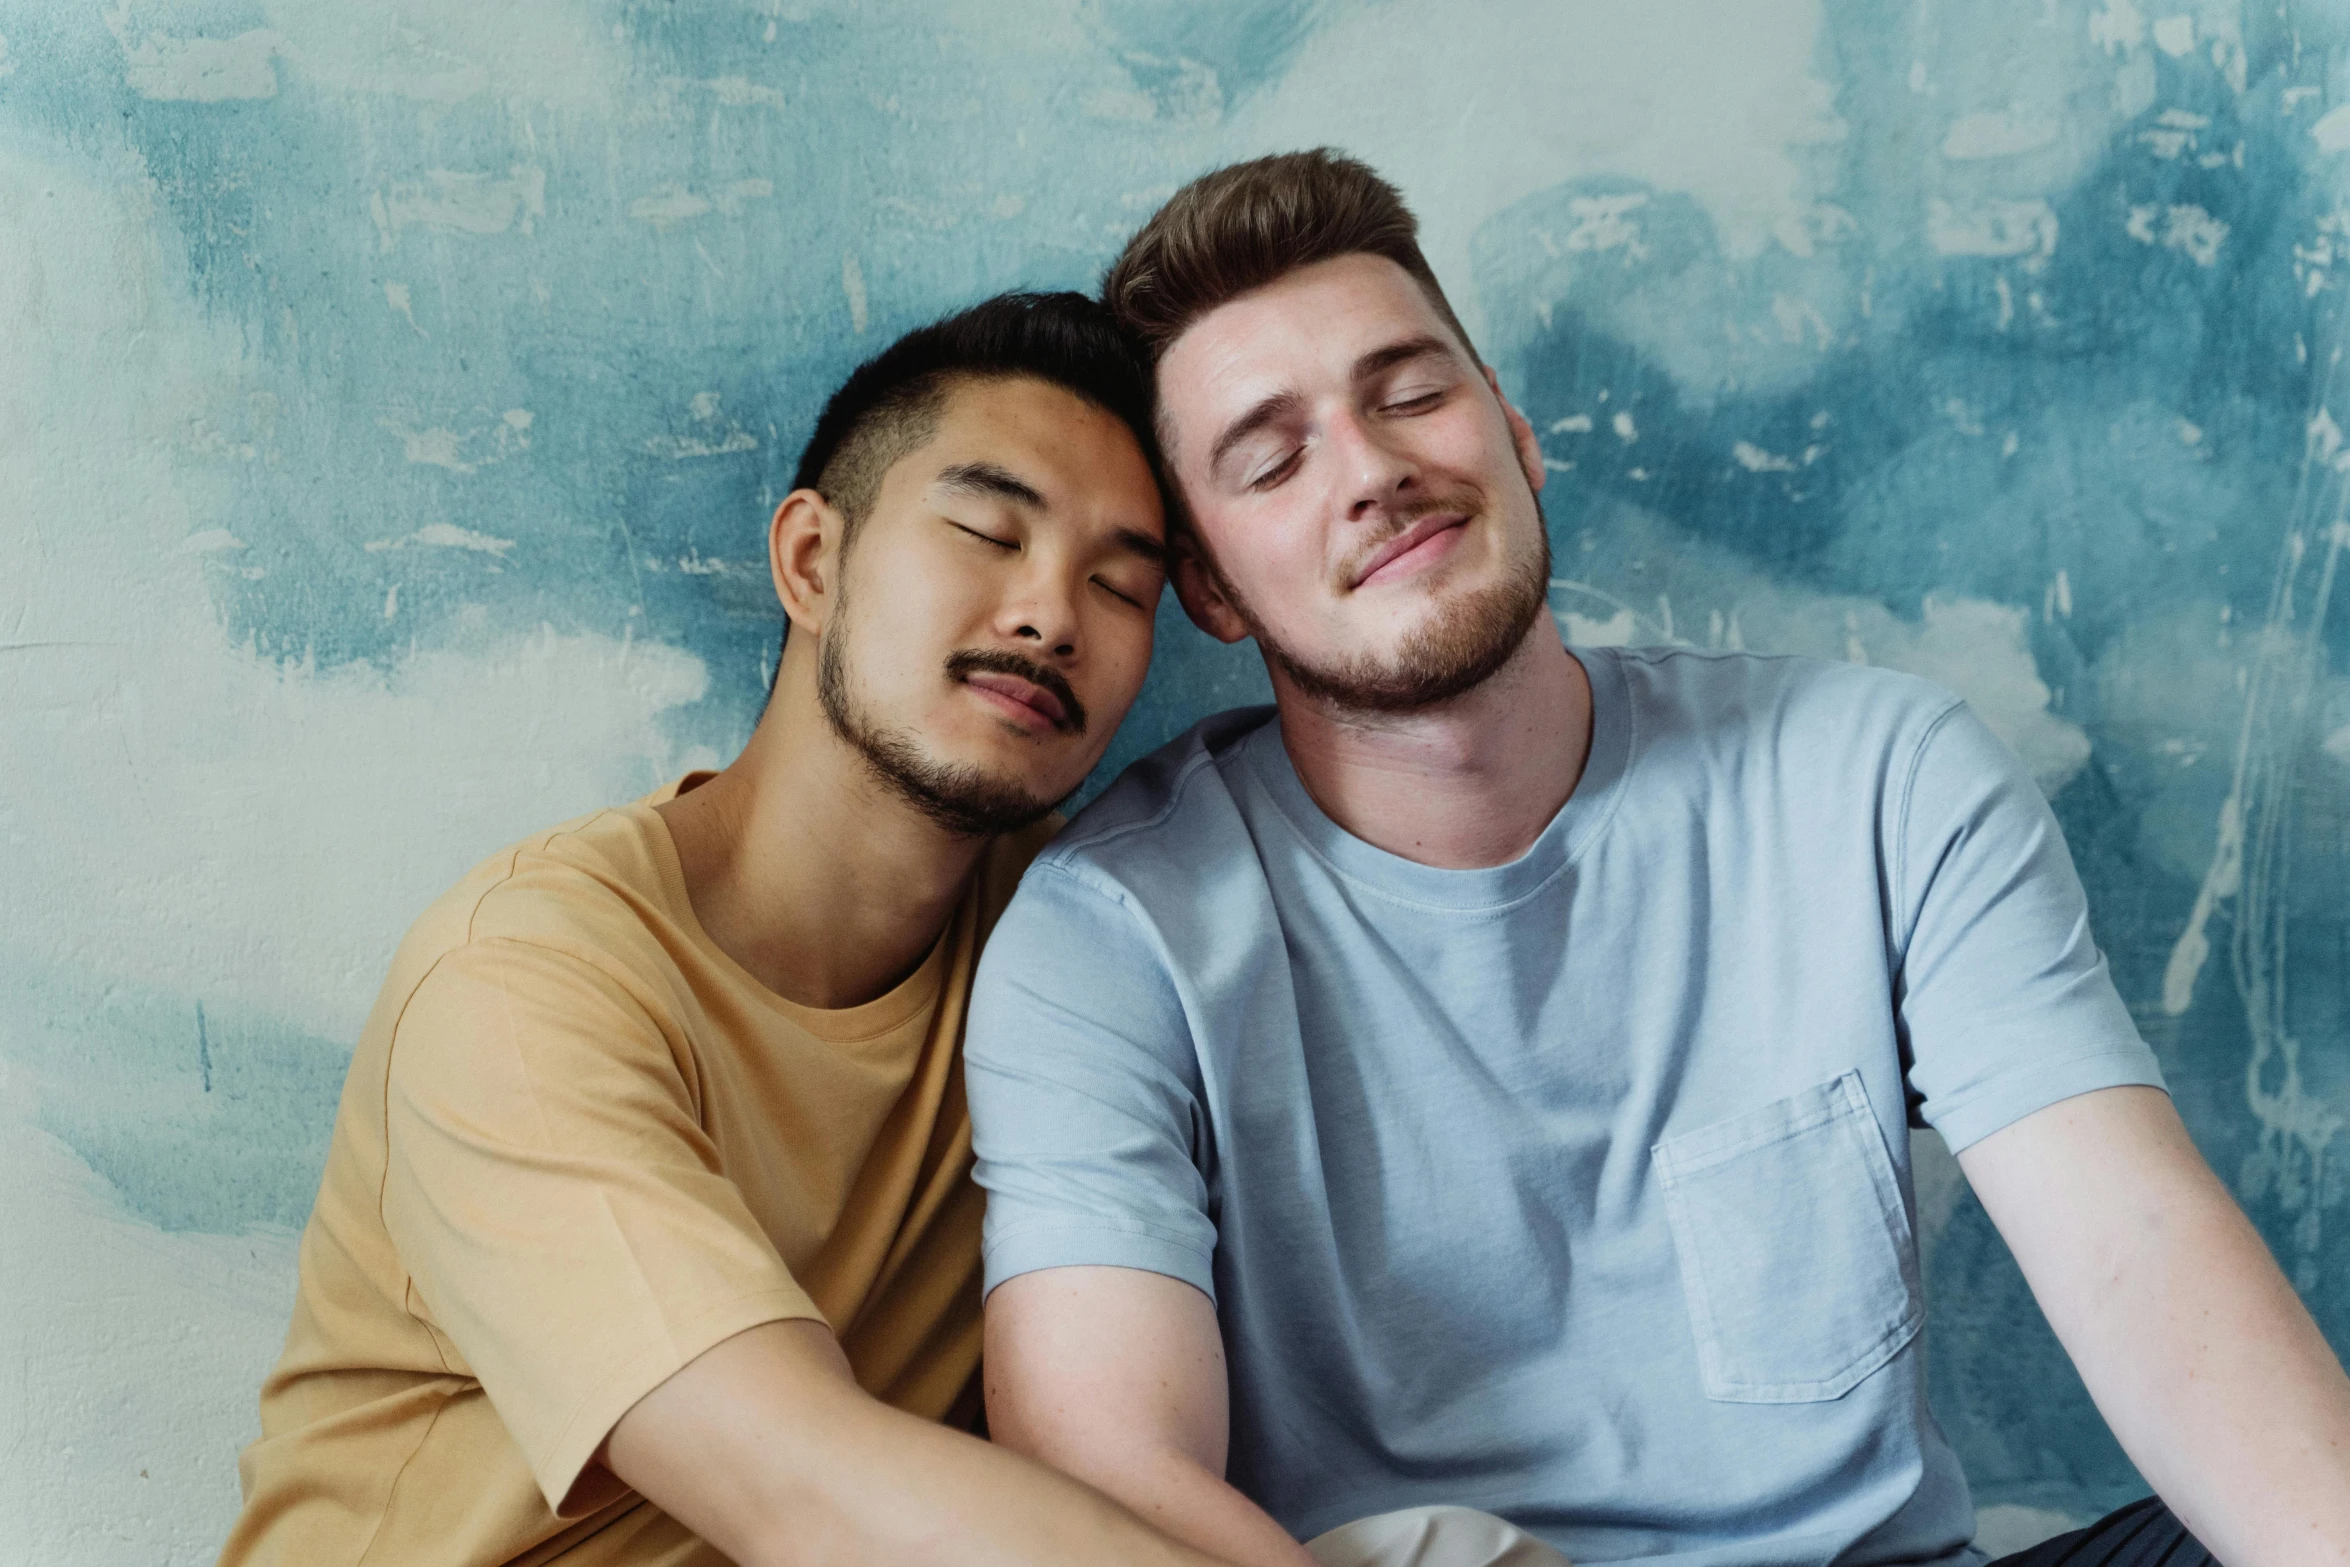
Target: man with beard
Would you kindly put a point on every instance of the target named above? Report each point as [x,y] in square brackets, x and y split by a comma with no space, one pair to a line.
[647,1233]
[1501,1057]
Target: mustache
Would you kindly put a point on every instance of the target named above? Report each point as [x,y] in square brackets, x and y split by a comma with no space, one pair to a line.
[1402,519]
[1000,661]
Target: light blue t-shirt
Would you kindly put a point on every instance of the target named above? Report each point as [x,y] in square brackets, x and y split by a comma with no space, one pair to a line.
[1575,1189]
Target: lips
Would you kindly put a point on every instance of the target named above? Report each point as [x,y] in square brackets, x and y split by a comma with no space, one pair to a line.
[1025,693]
[1410,539]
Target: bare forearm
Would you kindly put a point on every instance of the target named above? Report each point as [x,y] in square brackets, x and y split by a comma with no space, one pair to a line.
[767,1449]
[1175,1495]
[891,1488]
[2198,1353]
[1117,1377]
[2235,1409]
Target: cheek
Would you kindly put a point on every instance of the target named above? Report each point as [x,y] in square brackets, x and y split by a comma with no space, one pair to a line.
[906,616]
[1270,554]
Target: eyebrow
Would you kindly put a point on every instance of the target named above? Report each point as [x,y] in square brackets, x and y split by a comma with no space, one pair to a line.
[1282,404]
[1136,542]
[1426,345]
[1277,406]
[986,480]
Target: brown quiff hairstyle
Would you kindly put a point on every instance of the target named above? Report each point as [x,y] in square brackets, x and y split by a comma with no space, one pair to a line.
[1248,224]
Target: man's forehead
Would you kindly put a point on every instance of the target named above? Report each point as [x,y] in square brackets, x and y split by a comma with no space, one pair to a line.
[1318,319]
[1026,447]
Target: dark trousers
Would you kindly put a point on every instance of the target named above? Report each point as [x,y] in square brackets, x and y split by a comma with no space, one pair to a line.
[2143,1534]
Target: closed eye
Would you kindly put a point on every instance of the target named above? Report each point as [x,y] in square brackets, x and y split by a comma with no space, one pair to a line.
[1116,593]
[1417,404]
[1275,474]
[985,538]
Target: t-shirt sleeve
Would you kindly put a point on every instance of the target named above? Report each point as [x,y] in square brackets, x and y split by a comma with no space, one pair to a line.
[2005,1003]
[557,1205]
[1086,1108]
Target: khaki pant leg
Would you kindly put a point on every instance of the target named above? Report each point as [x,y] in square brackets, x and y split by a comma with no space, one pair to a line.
[1432,1537]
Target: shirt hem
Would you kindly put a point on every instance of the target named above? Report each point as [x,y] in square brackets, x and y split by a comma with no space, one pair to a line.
[1036,1248]
[1977,1117]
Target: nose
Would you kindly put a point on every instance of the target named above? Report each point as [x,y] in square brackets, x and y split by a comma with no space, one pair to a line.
[1042,612]
[1374,472]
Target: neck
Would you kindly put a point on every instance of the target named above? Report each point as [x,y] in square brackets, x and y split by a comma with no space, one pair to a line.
[820,880]
[1470,782]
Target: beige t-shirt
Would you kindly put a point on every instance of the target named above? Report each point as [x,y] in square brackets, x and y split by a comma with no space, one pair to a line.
[578,1146]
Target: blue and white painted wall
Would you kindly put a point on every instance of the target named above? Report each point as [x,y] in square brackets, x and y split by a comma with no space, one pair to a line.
[391,397]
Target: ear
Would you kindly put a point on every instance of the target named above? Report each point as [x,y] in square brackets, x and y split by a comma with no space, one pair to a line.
[803,558]
[1202,596]
[1521,435]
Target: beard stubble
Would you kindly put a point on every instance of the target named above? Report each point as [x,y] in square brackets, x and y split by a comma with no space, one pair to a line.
[1463,649]
[961,797]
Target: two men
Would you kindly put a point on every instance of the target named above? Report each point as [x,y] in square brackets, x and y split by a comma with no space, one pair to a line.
[1460,1112]
[1482,1081]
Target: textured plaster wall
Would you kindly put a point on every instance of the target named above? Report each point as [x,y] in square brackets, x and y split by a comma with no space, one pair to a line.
[391,396]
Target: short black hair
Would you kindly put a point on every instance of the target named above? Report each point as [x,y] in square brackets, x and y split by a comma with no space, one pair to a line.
[890,405]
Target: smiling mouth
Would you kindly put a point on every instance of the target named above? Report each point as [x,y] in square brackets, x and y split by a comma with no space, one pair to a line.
[1407,543]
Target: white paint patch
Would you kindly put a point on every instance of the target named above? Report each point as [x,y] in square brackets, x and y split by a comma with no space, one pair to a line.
[718,441]
[2337,745]
[1603,223]
[1755,460]
[1620,629]
[444,536]
[2003,134]
[463,451]
[668,208]
[396,295]
[211,541]
[1596,88]
[2117,25]
[1998,229]
[461,203]
[1626,430]
[2325,436]
[852,287]
[1979,649]
[2332,131]
[2185,228]
[1572,424]
[203,70]
[2175,36]
[134,1360]
[1982,651]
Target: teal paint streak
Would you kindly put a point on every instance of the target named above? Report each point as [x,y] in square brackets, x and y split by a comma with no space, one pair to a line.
[204,1118]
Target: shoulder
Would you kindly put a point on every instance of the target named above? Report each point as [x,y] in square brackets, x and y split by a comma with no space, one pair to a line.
[1166,809]
[589,891]
[1726,685]
[1801,711]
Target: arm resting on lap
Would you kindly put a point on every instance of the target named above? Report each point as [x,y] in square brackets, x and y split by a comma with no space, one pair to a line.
[766,1447]
[1116,1376]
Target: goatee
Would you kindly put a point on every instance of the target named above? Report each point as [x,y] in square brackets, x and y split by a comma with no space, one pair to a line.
[966,800]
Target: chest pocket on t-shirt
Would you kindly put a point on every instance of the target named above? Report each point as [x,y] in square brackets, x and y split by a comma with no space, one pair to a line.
[1794,1247]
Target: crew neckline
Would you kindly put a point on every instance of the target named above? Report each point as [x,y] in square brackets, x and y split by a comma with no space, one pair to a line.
[885,1014]
[1484,887]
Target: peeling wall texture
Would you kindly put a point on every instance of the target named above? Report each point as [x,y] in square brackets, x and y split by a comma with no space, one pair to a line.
[392,395]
